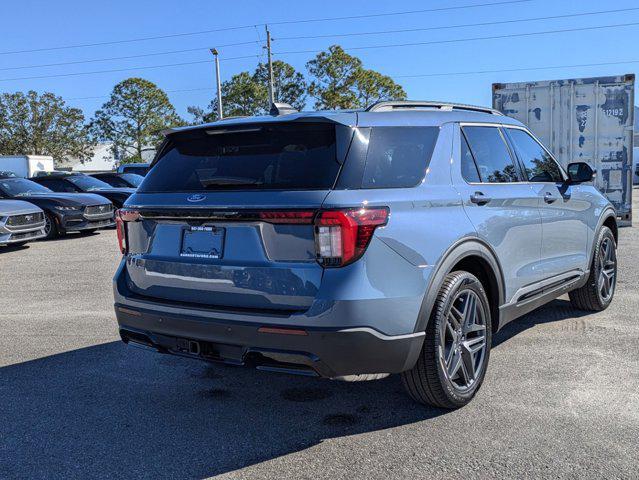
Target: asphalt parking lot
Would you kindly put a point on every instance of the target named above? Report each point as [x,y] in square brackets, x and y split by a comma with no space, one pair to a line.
[561,397]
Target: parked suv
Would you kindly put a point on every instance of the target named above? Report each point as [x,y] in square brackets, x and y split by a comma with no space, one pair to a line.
[120,180]
[353,245]
[80,183]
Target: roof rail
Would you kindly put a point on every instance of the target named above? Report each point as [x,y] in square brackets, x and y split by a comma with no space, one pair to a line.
[389,105]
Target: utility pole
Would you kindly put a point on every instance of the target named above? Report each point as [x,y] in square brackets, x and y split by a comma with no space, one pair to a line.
[220,114]
[271,92]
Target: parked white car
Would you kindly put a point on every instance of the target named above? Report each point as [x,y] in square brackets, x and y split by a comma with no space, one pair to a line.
[20,222]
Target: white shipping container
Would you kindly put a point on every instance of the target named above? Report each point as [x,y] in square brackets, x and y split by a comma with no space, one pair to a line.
[26,165]
[588,119]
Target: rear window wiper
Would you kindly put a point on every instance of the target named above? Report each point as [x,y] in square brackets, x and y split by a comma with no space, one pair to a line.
[230,182]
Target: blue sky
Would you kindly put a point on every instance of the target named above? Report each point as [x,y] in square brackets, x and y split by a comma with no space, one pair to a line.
[30,24]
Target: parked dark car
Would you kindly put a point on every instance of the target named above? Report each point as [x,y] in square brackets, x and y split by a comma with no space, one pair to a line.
[137,168]
[120,180]
[64,212]
[80,183]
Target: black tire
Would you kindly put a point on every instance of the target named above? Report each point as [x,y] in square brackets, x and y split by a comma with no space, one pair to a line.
[50,227]
[590,297]
[428,381]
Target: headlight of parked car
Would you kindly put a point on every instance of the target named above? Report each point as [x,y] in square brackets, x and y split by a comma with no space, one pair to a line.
[68,209]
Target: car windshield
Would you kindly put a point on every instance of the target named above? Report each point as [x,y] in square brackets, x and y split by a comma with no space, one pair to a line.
[88,184]
[17,187]
[132,179]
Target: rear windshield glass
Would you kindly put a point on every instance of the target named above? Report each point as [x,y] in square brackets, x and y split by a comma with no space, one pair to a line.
[86,183]
[15,187]
[270,157]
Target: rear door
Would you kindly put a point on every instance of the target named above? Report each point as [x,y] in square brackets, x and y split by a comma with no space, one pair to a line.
[503,208]
[226,217]
[565,211]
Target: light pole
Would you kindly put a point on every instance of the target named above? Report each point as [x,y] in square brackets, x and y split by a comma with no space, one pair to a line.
[220,114]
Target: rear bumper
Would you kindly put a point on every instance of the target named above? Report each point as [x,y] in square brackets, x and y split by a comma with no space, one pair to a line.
[325,352]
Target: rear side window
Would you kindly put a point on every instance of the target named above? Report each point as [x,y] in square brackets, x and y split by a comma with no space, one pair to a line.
[538,163]
[398,156]
[114,181]
[58,185]
[492,157]
[264,157]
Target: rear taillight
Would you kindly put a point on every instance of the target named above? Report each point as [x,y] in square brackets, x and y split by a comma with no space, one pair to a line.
[341,236]
[122,217]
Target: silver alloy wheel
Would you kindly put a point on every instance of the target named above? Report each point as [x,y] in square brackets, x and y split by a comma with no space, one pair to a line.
[463,340]
[607,269]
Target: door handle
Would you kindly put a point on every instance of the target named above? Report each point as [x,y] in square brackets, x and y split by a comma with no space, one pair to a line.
[479,198]
[549,197]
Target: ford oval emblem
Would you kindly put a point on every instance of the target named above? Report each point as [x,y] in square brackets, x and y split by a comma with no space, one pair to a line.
[196,198]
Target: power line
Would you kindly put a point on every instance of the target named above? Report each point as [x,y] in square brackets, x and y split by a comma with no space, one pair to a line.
[409,12]
[458,40]
[315,51]
[422,75]
[507,70]
[182,90]
[124,69]
[127,57]
[446,27]
[240,27]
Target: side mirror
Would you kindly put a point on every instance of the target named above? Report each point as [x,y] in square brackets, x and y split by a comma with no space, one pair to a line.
[580,172]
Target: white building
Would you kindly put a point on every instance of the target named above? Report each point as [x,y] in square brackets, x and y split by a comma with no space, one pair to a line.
[102,160]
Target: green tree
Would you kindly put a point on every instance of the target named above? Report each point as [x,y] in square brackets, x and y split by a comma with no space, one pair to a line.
[340,81]
[289,85]
[372,86]
[246,94]
[335,74]
[133,118]
[32,124]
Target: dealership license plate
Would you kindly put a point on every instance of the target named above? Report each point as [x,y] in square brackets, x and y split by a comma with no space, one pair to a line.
[202,242]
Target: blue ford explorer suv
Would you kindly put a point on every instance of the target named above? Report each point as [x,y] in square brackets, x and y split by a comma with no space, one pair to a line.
[357,244]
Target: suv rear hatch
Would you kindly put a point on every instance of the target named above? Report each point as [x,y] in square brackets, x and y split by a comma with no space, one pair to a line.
[225,218]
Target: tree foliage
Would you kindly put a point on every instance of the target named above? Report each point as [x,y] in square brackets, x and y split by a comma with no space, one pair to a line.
[32,124]
[289,85]
[340,82]
[134,117]
[246,94]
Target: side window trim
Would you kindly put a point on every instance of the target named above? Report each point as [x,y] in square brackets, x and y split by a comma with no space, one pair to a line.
[519,166]
[514,159]
[520,162]
[463,139]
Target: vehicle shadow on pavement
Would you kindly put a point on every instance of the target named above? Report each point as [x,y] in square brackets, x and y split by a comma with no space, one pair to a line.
[555,311]
[117,411]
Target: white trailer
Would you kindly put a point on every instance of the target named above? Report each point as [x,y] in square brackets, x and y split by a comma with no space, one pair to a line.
[581,120]
[26,165]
